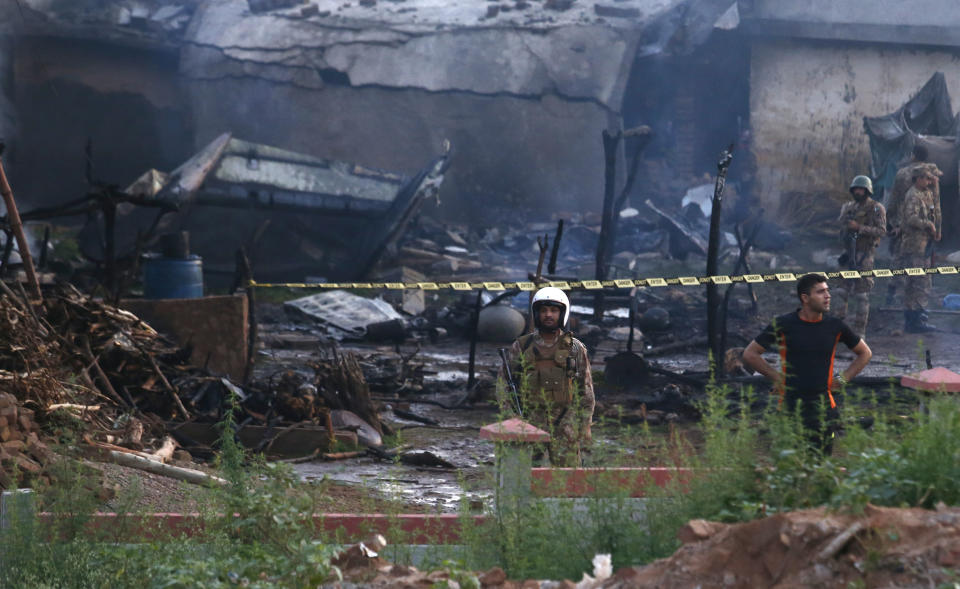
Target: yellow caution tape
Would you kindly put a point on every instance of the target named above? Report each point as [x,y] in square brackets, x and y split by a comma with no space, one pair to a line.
[612,284]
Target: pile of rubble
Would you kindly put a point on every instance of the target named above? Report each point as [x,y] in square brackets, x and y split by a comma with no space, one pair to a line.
[125,387]
[46,347]
[884,547]
[21,450]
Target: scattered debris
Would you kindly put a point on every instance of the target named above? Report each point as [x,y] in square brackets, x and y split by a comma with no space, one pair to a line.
[345,311]
[808,548]
[884,547]
[424,459]
[372,208]
[683,237]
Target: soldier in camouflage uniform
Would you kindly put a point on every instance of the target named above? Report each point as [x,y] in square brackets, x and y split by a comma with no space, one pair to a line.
[552,373]
[863,220]
[901,184]
[918,229]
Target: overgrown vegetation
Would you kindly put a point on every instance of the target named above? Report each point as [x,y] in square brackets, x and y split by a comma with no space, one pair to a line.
[748,465]
[255,535]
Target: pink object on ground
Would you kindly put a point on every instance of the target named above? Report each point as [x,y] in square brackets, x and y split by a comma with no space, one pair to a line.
[936,379]
[513,430]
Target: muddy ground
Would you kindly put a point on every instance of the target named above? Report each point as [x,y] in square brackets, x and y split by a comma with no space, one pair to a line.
[290,343]
[287,342]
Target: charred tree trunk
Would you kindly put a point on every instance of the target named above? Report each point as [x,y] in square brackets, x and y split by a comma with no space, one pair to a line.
[610,143]
[552,266]
[713,254]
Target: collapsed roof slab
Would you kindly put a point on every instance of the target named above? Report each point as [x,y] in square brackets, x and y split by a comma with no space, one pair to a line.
[450,50]
[521,88]
[522,94]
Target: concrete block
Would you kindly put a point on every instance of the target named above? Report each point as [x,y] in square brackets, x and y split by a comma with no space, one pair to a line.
[217,328]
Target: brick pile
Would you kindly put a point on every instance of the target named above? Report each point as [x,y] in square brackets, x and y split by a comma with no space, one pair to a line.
[22,455]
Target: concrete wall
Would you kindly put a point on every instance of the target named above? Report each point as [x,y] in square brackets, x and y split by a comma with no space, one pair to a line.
[523,105]
[807,103]
[125,100]
[887,12]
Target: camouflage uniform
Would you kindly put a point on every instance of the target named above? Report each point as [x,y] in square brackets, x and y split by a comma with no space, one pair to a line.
[872,218]
[556,391]
[918,226]
[901,185]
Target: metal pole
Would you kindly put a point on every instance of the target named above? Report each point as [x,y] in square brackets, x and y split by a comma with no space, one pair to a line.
[474,326]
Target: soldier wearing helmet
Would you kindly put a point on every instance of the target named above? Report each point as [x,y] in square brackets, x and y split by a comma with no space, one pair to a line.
[863,222]
[553,376]
[918,230]
[895,199]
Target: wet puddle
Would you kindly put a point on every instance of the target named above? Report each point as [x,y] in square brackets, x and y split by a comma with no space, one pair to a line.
[456,440]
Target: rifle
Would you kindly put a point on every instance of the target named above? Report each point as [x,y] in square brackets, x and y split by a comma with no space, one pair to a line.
[849,257]
[510,382]
[931,251]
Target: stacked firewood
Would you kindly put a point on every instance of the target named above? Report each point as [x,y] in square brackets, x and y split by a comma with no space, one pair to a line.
[71,348]
[100,363]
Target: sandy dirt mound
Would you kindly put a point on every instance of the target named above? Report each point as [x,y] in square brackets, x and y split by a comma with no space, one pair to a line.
[885,547]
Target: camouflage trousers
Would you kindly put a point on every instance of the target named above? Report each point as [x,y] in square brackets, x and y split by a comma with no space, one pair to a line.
[854,296]
[563,425]
[916,290]
[897,282]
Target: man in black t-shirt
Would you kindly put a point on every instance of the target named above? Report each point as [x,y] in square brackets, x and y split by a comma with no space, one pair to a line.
[807,341]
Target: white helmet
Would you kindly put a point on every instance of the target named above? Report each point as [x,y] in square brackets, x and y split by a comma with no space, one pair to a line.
[550,296]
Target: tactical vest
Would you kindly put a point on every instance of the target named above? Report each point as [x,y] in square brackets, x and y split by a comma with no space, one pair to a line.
[550,377]
[866,214]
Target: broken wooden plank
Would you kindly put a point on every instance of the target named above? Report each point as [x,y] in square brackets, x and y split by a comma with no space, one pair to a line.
[292,443]
[699,242]
[189,475]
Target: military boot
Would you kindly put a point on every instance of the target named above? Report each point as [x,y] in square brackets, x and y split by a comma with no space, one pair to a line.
[922,321]
[909,321]
[916,322]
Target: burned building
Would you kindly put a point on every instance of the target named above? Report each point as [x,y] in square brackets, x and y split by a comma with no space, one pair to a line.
[817,69]
[520,89]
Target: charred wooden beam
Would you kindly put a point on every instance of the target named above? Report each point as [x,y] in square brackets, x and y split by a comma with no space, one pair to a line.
[552,266]
[713,254]
[610,143]
[16,226]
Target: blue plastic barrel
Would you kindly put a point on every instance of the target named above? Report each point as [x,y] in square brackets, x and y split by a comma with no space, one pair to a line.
[172,278]
[952,302]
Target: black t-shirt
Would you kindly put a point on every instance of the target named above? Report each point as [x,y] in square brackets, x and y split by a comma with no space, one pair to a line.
[807,350]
